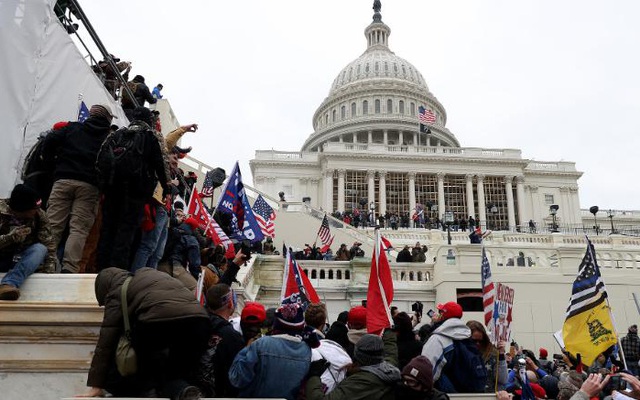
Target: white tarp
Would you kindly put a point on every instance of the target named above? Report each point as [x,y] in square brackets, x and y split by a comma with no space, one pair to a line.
[42,74]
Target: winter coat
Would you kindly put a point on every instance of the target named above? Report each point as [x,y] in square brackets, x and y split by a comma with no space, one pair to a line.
[338,333]
[152,296]
[441,342]
[404,256]
[74,149]
[40,233]
[272,366]
[337,356]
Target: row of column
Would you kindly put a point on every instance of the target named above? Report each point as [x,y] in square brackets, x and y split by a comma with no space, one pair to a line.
[382,195]
[385,138]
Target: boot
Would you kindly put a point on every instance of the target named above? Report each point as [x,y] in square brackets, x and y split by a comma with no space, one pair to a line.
[190,393]
[8,292]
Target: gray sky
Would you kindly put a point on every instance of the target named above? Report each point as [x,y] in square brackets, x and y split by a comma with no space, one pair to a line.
[557,79]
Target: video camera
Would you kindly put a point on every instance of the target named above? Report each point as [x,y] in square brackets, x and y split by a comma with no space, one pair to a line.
[417,307]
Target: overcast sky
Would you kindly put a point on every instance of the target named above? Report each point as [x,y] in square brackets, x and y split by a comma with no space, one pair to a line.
[559,80]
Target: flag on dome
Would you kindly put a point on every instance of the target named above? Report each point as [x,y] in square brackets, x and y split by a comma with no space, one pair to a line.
[265,216]
[488,291]
[588,327]
[207,185]
[296,286]
[83,112]
[426,116]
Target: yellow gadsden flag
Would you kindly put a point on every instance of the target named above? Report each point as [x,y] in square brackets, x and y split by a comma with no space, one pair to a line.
[588,329]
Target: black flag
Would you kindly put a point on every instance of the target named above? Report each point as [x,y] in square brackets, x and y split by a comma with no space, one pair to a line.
[424,129]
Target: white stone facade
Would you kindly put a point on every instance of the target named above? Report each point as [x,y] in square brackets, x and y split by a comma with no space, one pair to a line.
[367,146]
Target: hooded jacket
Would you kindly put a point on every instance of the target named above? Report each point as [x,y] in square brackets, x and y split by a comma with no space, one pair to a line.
[339,359]
[152,296]
[441,342]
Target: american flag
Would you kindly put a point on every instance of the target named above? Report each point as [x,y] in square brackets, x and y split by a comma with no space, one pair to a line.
[426,116]
[207,185]
[588,289]
[488,291]
[265,216]
[83,112]
[324,233]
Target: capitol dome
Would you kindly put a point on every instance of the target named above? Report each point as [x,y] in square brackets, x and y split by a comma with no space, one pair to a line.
[378,95]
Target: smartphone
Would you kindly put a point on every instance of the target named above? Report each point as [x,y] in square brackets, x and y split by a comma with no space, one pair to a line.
[431,313]
[245,246]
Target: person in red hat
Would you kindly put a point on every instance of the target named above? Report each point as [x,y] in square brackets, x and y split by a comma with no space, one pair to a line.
[448,327]
[251,319]
[357,324]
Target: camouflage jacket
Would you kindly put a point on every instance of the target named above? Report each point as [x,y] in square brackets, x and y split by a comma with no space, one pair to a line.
[40,233]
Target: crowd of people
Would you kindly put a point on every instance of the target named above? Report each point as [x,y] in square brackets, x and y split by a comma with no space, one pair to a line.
[292,352]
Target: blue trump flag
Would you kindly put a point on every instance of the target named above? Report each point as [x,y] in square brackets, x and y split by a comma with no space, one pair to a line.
[83,112]
[234,201]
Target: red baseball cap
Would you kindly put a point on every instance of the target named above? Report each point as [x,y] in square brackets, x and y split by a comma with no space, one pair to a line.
[253,312]
[357,318]
[450,310]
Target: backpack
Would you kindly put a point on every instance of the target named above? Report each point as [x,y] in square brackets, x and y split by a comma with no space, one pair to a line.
[34,163]
[465,367]
[120,159]
[127,101]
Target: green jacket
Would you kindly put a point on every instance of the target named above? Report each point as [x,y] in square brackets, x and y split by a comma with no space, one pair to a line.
[374,382]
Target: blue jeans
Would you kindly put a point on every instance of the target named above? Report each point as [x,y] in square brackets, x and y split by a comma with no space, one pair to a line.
[152,242]
[30,260]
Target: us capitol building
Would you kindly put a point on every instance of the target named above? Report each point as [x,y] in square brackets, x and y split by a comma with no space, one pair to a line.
[366,144]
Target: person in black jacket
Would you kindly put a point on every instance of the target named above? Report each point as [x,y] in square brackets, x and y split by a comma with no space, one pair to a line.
[140,92]
[124,197]
[224,344]
[408,346]
[74,197]
[404,255]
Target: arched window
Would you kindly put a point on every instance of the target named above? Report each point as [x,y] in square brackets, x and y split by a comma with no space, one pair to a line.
[343,112]
[389,106]
[314,274]
[339,274]
[377,68]
[330,274]
[326,119]
[412,108]
[386,67]
[322,275]
[333,116]
[366,68]
[347,274]
[365,107]
[353,110]
[377,106]
[401,107]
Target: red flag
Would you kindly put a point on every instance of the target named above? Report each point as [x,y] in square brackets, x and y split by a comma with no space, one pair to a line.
[211,228]
[380,292]
[296,287]
[386,244]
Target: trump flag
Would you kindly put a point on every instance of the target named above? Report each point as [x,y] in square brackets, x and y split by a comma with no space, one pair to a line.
[234,201]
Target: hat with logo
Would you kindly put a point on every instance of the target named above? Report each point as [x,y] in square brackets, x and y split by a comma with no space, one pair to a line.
[420,369]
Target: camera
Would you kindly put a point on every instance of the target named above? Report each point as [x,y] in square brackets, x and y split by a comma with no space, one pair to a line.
[615,383]
[417,307]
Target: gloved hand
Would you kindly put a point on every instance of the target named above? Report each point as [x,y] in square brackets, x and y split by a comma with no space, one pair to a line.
[318,367]
[19,233]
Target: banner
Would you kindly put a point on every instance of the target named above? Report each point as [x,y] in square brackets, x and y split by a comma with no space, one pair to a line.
[380,291]
[503,311]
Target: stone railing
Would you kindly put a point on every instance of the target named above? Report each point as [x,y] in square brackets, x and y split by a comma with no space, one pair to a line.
[323,271]
[467,152]
[551,166]
[286,155]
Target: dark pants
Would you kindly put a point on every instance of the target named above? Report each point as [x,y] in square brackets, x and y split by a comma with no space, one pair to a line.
[121,218]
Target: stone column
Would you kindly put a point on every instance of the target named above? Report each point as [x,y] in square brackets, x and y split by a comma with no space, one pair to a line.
[415,139]
[328,191]
[383,192]
[304,187]
[535,209]
[482,207]
[564,205]
[341,190]
[428,140]
[511,214]
[371,175]
[385,137]
[441,204]
[522,218]
[341,139]
[470,205]
[412,193]
[400,137]
[370,137]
